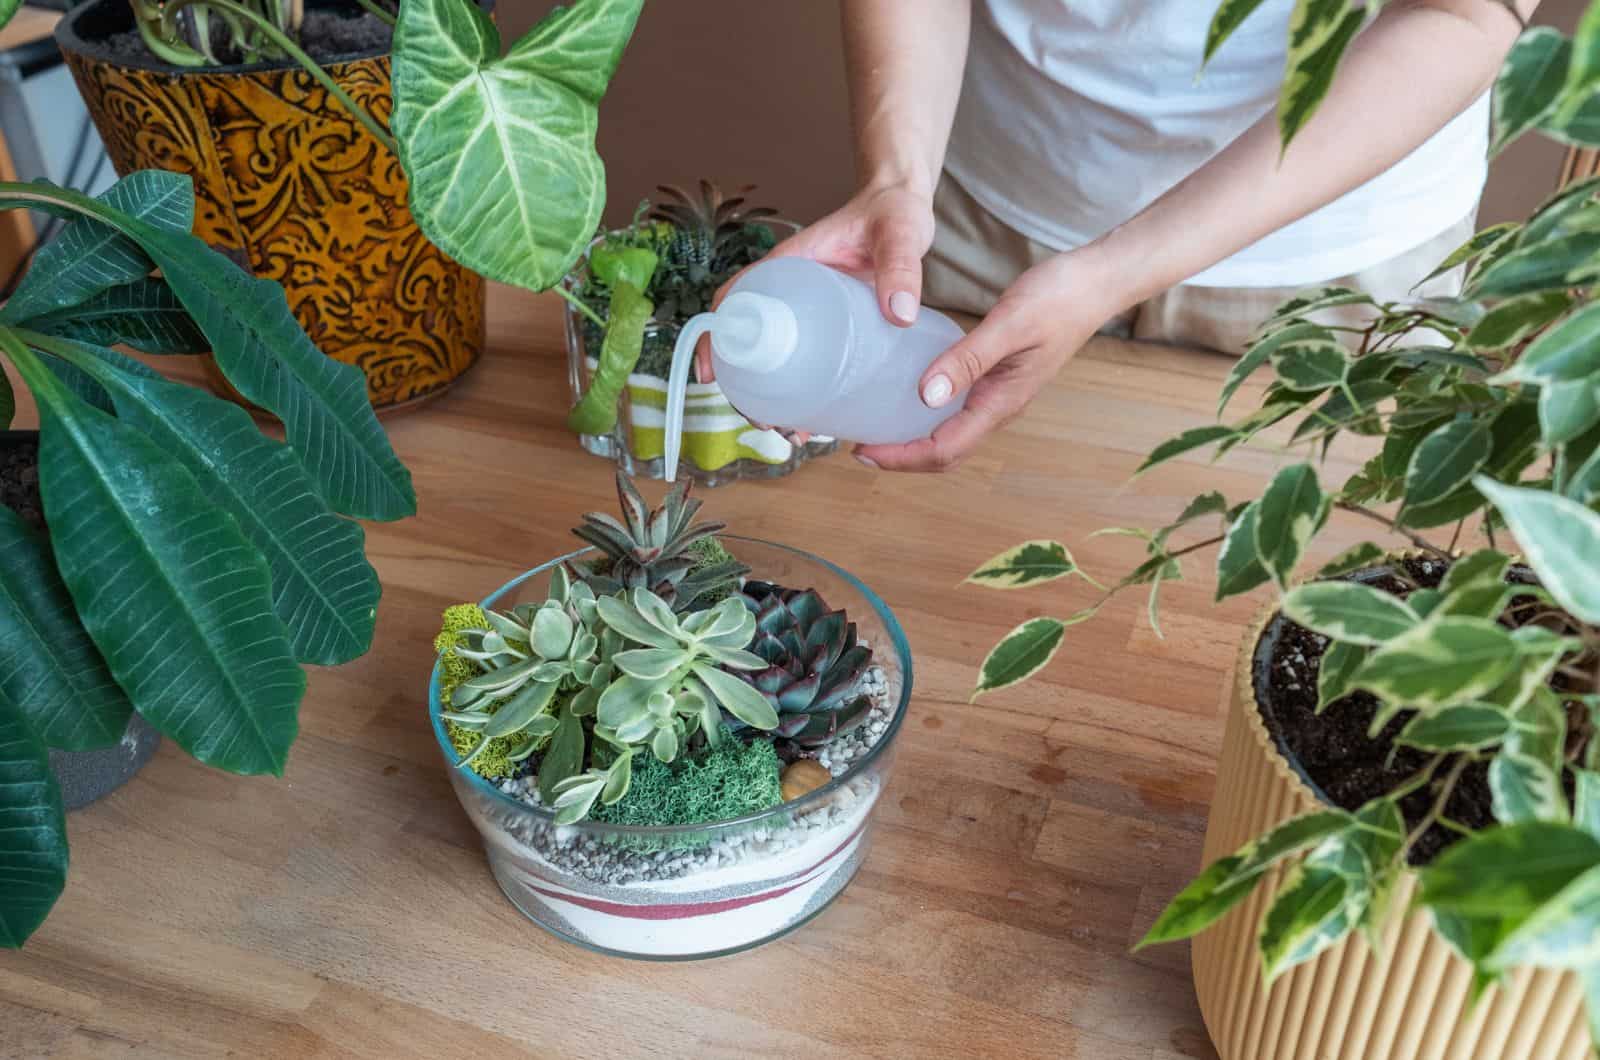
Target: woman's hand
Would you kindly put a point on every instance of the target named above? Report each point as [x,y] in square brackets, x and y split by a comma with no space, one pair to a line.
[1041,321]
[881,233]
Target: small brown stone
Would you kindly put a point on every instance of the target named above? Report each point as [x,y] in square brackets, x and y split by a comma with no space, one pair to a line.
[803,776]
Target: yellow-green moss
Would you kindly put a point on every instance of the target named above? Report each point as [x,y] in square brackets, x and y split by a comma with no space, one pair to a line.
[493,763]
[453,669]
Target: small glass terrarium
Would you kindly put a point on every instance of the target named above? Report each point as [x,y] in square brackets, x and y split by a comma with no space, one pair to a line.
[700,242]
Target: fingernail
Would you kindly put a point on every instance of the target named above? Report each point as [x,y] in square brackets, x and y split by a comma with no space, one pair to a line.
[904,306]
[867,461]
[937,392]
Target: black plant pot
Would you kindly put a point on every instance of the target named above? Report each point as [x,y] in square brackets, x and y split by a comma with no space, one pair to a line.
[85,776]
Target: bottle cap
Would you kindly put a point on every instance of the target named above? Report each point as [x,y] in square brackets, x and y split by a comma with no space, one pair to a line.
[754,331]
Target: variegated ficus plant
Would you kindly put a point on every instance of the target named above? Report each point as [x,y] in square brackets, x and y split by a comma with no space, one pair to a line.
[1482,415]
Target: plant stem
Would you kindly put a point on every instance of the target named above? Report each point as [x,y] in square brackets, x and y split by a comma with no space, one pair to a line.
[1415,539]
[377,12]
[295,52]
[577,303]
[1436,811]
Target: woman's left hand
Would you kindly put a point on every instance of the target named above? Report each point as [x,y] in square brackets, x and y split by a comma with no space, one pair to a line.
[1041,321]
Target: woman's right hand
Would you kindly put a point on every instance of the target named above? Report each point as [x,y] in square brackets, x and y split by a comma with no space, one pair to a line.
[882,232]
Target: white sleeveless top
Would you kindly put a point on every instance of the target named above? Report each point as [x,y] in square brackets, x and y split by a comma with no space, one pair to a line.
[1076,114]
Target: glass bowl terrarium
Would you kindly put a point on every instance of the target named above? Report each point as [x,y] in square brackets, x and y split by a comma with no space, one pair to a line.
[721,846]
[698,243]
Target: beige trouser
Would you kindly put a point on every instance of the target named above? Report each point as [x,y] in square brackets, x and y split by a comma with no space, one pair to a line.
[975,257]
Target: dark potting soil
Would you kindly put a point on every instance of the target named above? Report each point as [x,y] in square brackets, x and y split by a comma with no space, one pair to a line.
[19,481]
[325,35]
[1333,747]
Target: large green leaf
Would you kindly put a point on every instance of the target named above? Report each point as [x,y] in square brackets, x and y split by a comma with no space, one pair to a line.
[177,600]
[1469,727]
[1308,914]
[1561,539]
[1262,351]
[1564,932]
[50,671]
[1319,32]
[90,255]
[1502,234]
[1525,777]
[1194,438]
[323,588]
[1516,318]
[1311,366]
[1543,266]
[1566,410]
[33,830]
[500,149]
[144,314]
[1211,894]
[1529,82]
[1350,612]
[1026,564]
[267,357]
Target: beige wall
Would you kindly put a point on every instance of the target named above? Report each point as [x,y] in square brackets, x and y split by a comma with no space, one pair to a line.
[752,91]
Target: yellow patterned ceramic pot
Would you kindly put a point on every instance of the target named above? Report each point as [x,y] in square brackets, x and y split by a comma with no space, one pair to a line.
[290,185]
[1412,1001]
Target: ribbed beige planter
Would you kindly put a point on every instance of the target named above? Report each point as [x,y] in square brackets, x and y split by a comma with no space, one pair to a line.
[1410,1001]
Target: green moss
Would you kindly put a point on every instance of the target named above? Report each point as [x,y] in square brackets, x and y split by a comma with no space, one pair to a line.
[707,552]
[493,764]
[732,781]
[453,670]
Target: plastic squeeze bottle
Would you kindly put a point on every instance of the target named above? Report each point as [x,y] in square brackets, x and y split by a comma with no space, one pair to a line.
[800,345]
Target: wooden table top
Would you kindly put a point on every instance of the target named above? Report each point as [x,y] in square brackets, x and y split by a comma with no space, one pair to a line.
[1023,845]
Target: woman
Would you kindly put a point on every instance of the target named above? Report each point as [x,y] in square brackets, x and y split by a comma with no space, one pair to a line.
[1082,176]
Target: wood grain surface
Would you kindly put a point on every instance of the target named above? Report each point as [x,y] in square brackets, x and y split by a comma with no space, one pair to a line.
[1024,843]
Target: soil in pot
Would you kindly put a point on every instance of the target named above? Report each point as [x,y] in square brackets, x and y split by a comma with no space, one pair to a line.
[19,480]
[1333,749]
[325,36]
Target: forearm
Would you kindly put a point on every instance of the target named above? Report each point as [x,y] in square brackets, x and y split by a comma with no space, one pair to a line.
[904,60]
[1417,67]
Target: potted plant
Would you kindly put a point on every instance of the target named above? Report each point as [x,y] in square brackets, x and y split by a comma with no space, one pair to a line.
[688,246]
[295,175]
[164,566]
[667,758]
[1411,753]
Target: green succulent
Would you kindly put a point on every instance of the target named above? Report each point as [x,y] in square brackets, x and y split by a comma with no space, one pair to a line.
[654,549]
[812,663]
[527,658]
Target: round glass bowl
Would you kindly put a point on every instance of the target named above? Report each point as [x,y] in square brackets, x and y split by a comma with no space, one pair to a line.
[688,891]
[719,445]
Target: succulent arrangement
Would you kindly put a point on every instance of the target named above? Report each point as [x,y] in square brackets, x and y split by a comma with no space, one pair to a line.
[1484,413]
[656,657]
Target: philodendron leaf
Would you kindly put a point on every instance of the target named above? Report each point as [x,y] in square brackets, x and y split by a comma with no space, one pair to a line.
[1529,83]
[1446,460]
[173,594]
[1027,564]
[1319,32]
[90,255]
[1441,662]
[1020,654]
[1239,567]
[500,149]
[323,588]
[50,671]
[1288,515]
[1469,727]
[33,830]
[1508,871]
[144,314]
[1350,612]
[1561,539]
